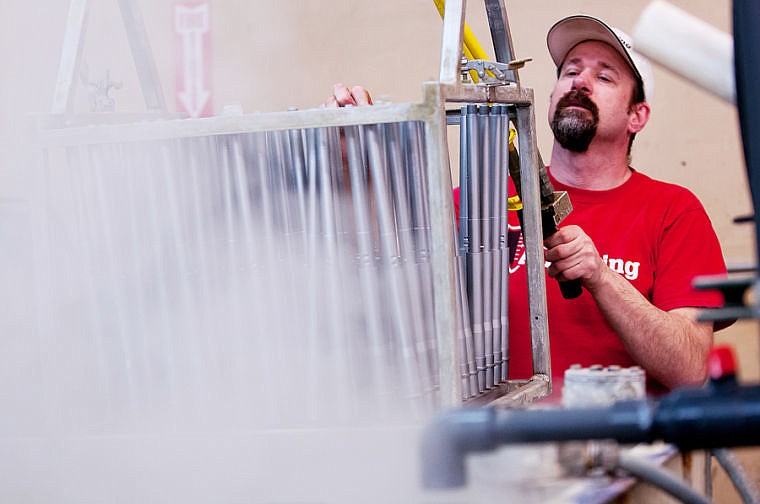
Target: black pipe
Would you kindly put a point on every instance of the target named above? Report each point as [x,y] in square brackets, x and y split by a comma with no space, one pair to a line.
[717,416]
[747,70]
[456,433]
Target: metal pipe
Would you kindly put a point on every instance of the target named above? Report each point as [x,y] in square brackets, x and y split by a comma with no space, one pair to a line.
[497,127]
[690,418]
[467,363]
[389,256]
[71,56]
[367,280]
[533,237]
[503,244]
[486,163]
[418,183]
[474,261]
[747,71]
[451,45]
[142,55]
[660,478]
[330,258]
[742,481]
[401,201]
[297,145]
[456,433]
[501,35]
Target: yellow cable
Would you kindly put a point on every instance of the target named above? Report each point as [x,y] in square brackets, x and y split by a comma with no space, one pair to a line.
[514,203]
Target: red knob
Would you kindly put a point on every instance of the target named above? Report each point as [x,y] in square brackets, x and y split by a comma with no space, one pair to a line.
[721,362]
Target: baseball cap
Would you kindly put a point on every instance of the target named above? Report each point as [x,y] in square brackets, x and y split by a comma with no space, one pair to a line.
[572,30]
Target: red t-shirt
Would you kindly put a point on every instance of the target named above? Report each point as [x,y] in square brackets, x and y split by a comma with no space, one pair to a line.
[657,235]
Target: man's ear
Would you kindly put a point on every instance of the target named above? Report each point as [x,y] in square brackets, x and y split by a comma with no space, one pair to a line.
[639,116]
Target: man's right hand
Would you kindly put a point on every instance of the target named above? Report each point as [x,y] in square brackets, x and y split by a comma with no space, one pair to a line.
[342,96]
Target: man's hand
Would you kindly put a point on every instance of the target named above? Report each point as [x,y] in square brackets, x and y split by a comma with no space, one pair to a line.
[671,346]
[573,255]
[342,96]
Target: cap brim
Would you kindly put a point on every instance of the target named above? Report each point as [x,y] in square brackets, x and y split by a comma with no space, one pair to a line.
[571,31]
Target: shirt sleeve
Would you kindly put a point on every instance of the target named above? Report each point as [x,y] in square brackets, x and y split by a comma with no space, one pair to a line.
[688,248]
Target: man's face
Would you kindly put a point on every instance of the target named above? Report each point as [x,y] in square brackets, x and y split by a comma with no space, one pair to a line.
[591,97]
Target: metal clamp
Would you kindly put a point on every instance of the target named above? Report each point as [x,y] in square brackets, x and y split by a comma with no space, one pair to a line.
[492,73]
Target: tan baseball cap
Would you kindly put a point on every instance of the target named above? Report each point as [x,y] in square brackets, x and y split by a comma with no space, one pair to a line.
[572,30]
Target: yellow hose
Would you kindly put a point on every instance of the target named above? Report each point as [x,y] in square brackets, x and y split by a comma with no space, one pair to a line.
[513,202]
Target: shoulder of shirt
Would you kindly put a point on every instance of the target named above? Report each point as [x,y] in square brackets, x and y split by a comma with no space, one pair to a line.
[669,192]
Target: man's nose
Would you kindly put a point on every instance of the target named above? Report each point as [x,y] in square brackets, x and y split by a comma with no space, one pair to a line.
[582,83]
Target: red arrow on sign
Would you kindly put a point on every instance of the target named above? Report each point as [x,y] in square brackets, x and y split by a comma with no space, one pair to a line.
[193,77]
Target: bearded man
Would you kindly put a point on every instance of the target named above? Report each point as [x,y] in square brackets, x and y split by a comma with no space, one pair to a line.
[635,244]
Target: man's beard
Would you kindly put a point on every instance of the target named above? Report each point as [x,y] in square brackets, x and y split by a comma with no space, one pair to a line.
[573,128]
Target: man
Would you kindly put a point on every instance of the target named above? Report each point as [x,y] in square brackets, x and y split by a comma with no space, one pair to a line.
[635,244]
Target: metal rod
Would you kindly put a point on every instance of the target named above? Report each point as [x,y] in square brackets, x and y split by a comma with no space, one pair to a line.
[451,45]
[401,201]
[485,225]
[532,234]
[389,255]
[328,236]
[71,55]
[475,257]
[297,145]
[496,125]
[503,244]
[142,55]
[500,35]
[367,279]
[470,382]
[418,185]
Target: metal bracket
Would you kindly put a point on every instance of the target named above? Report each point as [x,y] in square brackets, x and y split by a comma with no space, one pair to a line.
[493,73]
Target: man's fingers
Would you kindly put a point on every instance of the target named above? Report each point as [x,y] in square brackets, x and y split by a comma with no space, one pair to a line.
[343,95]
[361,95]
[563,235]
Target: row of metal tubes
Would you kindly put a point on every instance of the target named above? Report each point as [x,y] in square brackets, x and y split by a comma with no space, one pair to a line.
[395,248]
[484,134]
[387,176]
[160,196]
[331,224]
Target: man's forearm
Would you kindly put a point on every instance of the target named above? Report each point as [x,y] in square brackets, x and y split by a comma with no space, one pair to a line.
[671,346]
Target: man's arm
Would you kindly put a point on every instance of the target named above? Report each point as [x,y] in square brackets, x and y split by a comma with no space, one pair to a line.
[671,346]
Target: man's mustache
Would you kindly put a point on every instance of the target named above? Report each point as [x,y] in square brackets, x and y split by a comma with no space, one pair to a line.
[575,98]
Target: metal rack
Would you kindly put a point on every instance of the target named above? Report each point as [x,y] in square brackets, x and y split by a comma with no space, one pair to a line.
[58,143]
